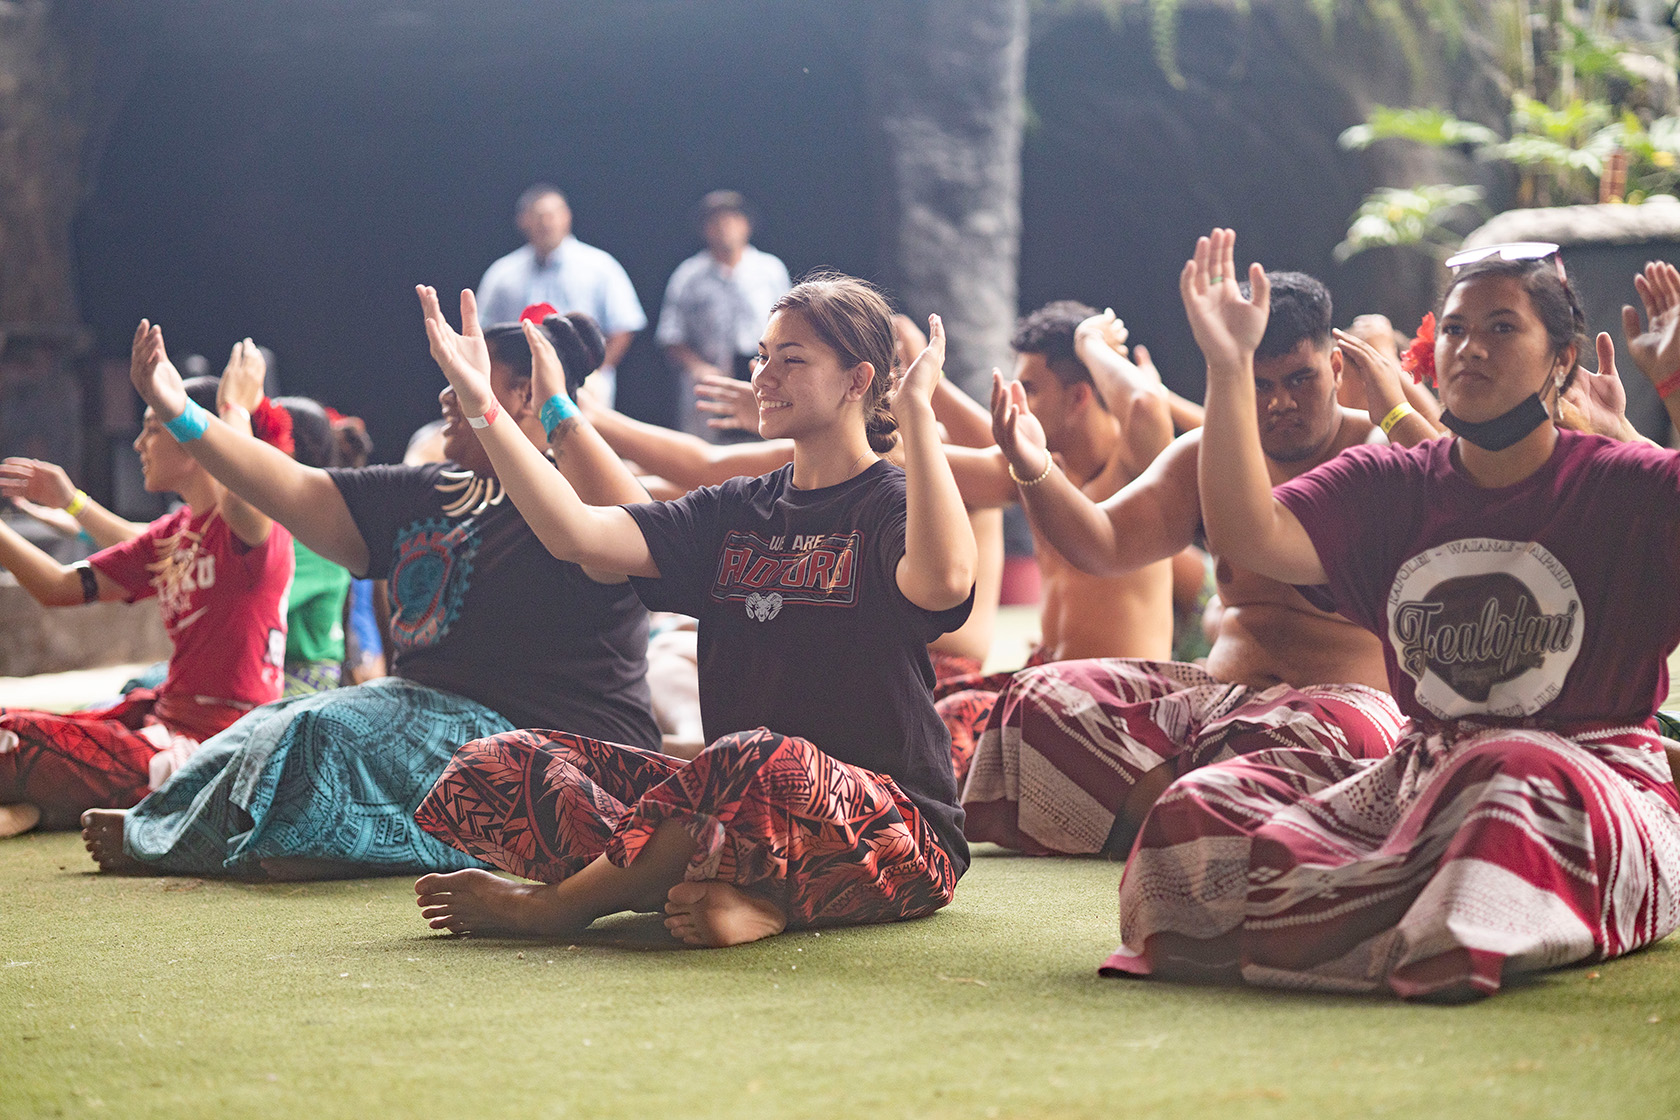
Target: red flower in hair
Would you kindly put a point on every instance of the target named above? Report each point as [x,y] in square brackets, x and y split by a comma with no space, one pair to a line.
[1419,358]
[273,425]
[537,312]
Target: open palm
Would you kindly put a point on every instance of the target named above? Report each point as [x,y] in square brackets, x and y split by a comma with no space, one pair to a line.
[1227,325]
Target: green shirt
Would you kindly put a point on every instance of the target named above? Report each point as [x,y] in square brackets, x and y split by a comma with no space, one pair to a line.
[315,620]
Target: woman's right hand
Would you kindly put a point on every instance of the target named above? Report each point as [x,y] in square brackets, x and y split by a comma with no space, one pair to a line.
[154,376]
[242,380]
[463,357]
[36,481]
[1227,326]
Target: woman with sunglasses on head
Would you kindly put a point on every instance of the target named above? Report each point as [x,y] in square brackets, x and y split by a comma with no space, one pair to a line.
[826,796]
[1523,580]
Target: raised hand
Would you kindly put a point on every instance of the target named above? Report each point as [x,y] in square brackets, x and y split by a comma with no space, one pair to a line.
[1655,344]
[1016,430]
[242,381]
[1106,329]
[730,404]
[908,340]
[33,480]
[1597,402]
[154,375]
[548,375]
[924,373]
[463,357]
[1376,372]
[1227,326]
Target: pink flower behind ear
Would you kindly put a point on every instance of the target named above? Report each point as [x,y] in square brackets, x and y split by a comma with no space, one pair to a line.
[537,312]
[1419,358]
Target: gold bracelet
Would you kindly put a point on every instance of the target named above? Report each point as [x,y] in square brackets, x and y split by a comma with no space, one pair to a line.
[77,504]
[1398,413]
[1024,483]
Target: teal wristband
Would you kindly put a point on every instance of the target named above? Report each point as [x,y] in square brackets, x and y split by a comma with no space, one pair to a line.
[191,424]
[556,410]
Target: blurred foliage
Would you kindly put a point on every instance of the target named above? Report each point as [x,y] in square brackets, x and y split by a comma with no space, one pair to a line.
[1581,90]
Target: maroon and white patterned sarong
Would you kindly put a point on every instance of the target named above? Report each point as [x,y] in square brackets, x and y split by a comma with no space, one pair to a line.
[1434,872]
[828,842]
[1068,740]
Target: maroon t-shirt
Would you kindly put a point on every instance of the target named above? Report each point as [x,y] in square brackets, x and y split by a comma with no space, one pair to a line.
[223,604]
[1555,601]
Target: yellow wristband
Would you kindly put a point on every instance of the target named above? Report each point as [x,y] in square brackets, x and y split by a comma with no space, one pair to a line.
[1398,413]
[77,504]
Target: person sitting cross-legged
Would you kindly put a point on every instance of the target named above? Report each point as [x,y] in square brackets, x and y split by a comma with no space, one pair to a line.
[1522,580]
[826,794]
[219,569]
[488,631]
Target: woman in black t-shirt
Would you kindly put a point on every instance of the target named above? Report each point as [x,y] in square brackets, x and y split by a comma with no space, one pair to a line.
[826,796]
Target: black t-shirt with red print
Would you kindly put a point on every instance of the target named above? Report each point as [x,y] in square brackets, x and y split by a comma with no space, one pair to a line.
[803,628]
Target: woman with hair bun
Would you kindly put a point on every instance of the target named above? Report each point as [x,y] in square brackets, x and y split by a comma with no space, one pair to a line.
[826,795]
[1523,580]
[488,632]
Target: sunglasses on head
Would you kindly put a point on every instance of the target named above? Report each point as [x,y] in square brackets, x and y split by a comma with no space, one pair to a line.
[1511,251]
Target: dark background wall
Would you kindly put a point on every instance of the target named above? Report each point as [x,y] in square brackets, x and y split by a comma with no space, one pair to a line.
[290,171]
[295,186]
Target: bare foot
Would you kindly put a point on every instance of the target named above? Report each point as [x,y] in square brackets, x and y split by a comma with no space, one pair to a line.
[102,835]
[17,819]
[475,901]
[293,869]
[717,914]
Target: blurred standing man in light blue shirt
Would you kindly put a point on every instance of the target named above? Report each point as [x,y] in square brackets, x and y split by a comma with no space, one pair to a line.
[556,268]
[717,303]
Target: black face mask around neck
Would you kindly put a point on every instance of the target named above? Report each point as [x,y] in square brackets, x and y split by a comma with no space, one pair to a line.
[1502,431]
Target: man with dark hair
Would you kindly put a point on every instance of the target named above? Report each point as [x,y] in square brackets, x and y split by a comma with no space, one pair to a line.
[556,268]
[1076,752]
[1104,440]
[716,305]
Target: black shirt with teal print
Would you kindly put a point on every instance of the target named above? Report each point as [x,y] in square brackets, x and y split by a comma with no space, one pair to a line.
[803,629]
[481,609]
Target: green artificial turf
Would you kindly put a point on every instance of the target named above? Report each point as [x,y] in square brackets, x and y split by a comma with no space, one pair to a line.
[175,998]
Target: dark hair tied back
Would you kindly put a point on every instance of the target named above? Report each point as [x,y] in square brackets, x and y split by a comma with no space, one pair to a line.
[854,320]
[577,339]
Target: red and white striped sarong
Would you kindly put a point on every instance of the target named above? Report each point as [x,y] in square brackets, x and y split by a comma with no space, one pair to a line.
[1068,740]
[1435,871]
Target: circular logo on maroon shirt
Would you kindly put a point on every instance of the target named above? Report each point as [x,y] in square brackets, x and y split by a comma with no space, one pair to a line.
[1485,627]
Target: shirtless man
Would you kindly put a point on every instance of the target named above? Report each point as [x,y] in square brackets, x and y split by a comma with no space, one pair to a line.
[1077,753]
[1103,420]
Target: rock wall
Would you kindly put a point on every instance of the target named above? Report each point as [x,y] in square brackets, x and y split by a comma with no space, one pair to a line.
[946,80]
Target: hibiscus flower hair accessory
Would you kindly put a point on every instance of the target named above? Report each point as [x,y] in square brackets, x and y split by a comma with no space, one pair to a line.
[537,312]
[273,425]
[1419,358]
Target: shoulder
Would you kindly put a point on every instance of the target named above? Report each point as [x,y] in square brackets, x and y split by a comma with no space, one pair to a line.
[686,272]
[594,255]
[1586,452]
[1356,429]
[519,258]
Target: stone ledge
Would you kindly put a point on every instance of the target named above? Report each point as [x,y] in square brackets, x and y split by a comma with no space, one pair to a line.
[1613,224]
[34,639]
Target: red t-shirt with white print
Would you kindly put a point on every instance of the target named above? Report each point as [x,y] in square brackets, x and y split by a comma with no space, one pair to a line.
[223,604]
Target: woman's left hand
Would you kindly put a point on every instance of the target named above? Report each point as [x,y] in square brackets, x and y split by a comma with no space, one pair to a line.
[1597,402]
[924,373]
